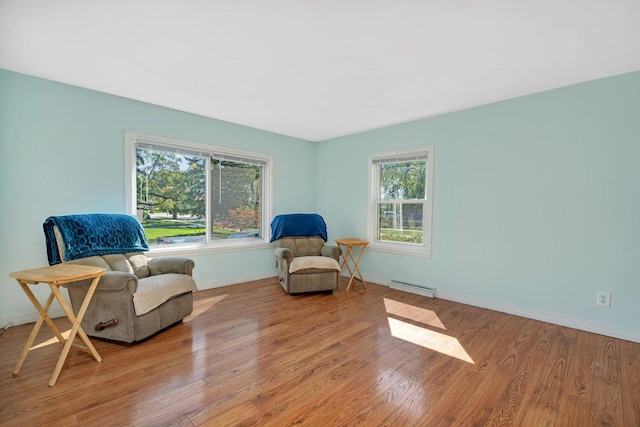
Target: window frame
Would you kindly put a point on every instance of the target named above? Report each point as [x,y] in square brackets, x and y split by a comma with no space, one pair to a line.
[132,139]
[422,250]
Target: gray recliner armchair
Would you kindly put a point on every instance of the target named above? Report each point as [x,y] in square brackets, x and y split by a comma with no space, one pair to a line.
[305,263]
[137,296]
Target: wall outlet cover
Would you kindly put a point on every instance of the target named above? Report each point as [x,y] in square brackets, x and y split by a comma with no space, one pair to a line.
[604,299]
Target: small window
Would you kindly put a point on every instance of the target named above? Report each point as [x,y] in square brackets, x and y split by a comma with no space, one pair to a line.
[189,195]
[401,201]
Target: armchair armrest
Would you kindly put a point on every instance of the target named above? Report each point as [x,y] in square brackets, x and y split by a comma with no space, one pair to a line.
[332,252]
[284,253]
[166,265]
[284,257]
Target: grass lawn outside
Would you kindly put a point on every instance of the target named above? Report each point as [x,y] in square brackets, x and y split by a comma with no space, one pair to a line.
[158,229]
[398,235]
[156,233]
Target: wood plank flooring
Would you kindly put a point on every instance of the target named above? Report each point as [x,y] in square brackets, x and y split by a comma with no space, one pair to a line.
[252,355]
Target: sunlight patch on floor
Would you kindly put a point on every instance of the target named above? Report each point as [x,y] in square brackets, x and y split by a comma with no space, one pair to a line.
[428,339]
[419,335]
[418,314]
[201,306]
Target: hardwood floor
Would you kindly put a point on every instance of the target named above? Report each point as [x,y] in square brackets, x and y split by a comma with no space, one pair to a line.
[252,355]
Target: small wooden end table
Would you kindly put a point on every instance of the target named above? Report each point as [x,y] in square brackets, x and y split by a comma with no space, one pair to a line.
[55,276]
[349,243]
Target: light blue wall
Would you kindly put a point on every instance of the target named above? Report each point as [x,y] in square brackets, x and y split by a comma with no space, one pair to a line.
[62,152]
[536,200]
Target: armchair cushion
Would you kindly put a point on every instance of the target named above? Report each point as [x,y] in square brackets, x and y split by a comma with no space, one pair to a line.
[305,262]
[302,246]
[155,290]
[138,263]
[133,263]
[118,262]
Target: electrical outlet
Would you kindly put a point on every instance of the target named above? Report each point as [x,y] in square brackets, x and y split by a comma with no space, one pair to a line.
[604,299]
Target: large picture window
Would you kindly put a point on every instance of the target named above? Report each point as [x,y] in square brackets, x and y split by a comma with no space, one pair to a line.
[401,201]
[189,195]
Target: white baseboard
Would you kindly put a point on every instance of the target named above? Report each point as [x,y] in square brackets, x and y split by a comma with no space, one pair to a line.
[21,319]
[544,316]
[235,280]
[530,313]
[369,278]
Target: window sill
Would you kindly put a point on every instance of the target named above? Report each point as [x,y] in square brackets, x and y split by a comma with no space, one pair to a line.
[399,248]
[188,250]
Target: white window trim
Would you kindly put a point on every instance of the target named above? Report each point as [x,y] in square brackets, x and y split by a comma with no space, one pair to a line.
[229,245]
[423,250]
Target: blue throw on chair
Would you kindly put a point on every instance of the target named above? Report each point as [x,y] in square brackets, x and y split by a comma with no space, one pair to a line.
[292,225]
[93,234]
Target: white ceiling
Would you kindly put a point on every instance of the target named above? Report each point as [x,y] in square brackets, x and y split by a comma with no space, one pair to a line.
[319,69]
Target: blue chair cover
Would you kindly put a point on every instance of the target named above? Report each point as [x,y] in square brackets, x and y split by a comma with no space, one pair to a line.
[93,234]
[298,225]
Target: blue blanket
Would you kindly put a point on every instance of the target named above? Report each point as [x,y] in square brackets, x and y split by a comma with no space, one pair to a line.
[93,234]
[298,225]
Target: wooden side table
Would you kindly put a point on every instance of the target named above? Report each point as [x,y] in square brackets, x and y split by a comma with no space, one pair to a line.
[55,276]
[349,243]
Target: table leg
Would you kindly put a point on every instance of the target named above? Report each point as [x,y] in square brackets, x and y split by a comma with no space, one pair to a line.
[43,310]
[36,328]
[357,268]
[351,272]
[81,313]
[75,328]
[78,319]
[345,261]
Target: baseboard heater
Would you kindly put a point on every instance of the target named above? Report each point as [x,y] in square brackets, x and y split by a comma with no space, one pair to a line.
[412,288]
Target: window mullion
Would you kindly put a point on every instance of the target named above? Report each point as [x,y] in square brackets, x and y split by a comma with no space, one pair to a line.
[207,207]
